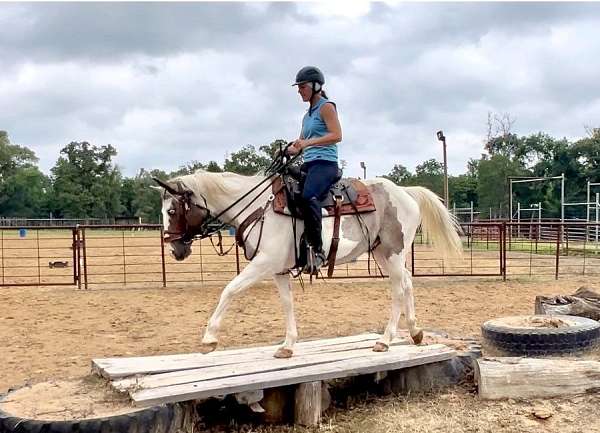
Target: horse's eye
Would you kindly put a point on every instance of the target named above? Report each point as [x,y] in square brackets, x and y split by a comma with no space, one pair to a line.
[171,211]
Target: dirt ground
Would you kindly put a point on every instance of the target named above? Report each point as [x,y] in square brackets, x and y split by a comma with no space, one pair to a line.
[53,333]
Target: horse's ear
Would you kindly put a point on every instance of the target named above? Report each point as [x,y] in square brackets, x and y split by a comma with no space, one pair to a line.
[170,189]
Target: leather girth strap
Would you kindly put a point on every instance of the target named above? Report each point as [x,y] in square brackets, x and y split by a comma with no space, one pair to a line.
[239,233]
[335,240]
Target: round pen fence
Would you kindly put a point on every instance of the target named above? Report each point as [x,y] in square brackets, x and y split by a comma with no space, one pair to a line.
[135,255]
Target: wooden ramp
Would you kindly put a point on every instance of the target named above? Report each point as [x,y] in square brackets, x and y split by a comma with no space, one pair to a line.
[172,378]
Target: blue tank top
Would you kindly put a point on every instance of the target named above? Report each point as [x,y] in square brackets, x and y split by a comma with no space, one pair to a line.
[314,126]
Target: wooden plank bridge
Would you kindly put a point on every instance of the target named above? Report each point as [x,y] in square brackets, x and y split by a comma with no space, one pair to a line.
[174,378]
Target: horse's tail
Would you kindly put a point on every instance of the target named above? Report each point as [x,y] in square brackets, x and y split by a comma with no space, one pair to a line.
[438,225]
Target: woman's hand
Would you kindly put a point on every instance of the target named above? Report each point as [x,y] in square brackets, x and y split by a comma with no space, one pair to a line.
[298,146]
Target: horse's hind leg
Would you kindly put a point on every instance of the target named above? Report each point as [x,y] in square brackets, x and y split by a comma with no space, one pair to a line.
[409,306]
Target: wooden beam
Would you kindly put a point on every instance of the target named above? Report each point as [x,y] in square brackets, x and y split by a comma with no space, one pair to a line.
[510,377]
[112,368]
[245,366]
[396,358]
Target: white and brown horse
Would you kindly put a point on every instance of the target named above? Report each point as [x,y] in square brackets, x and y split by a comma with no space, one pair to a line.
[189,200]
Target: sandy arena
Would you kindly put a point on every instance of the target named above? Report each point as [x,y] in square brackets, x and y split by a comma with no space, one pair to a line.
[53,333]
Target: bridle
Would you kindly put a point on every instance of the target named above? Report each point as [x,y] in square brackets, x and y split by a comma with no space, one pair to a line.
[190,216]
[196,221]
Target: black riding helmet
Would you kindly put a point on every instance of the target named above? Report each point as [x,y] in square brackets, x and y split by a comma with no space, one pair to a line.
[309,74]
[313,75]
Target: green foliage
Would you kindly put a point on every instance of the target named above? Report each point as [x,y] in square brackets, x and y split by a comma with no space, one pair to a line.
[462,190]
[492,185]
[86,183]
[23,188]
[430,174]
[146,202]
[247,161]
[192,166]
[399,175]
[13,157]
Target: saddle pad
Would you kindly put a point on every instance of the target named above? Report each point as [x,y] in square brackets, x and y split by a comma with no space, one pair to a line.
[363,202]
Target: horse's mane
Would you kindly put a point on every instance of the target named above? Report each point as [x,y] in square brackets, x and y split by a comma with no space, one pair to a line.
[224,183]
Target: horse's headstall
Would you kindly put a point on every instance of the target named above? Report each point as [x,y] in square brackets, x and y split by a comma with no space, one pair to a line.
[189,216]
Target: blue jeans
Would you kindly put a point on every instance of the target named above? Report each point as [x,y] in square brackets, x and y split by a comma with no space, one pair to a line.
[320,175]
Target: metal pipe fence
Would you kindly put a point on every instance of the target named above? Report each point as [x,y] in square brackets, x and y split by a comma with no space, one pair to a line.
[116,255]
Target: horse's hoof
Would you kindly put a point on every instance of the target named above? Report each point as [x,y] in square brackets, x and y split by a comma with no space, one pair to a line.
[380,347]
[418,337]
[208,347]
[283,352]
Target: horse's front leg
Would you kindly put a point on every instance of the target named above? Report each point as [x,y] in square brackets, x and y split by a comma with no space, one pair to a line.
[258,269]
[287,300]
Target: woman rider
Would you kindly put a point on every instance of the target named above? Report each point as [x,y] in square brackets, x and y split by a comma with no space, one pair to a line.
[321,131]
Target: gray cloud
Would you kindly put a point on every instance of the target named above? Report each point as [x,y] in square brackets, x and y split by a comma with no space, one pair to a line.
[169,82]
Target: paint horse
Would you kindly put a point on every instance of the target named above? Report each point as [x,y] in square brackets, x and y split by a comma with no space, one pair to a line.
[189,200]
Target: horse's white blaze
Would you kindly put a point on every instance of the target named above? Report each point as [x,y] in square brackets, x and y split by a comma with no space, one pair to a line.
[399,213]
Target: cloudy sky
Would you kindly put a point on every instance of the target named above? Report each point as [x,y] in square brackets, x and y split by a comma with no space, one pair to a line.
[166,83]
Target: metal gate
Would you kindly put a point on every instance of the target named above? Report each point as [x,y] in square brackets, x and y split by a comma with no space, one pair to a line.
[39,256]
[484,246]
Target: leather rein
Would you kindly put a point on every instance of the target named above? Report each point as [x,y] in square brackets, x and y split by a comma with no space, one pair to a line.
[199,223]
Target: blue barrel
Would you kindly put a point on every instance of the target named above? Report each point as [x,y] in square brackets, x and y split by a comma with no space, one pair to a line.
[231,231]
[22,233]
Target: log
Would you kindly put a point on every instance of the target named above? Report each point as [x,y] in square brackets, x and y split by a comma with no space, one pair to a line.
[307,408]
[585,302]
[510,377]
[277,404]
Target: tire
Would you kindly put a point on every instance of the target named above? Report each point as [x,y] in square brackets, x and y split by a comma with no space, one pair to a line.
[167,418]
[580,334]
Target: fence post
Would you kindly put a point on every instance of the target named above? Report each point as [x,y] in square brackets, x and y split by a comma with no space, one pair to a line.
[84,246]
[502,229]
[75,259]
[162,256]
[78,264]
[558,237]
[237,258]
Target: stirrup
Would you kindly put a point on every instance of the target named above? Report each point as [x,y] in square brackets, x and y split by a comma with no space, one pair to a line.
[314,261]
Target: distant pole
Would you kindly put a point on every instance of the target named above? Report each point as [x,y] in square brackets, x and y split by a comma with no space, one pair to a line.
[364,167]
[510,200]
[597,208]
[440,137]
[472,214]
[562,198]
[587,208]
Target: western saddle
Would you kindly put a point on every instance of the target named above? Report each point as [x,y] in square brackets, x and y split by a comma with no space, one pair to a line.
[345,197]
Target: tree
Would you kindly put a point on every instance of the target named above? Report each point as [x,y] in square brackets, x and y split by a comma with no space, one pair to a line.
[399,175]
[247,161]
[492,183]
[24,194]
[23,187]
[430,174]
[13,157]
[146,202]
[86,183]
[462,190]
[192,166]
